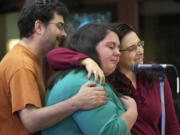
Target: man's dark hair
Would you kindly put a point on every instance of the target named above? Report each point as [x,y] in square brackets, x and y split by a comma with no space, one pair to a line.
[42,10]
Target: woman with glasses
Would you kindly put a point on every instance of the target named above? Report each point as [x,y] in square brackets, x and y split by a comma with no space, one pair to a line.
[144,86]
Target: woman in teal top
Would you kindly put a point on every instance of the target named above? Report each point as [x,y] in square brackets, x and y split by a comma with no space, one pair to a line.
[101,44]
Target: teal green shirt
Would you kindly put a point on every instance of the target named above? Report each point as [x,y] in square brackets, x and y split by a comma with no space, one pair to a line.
[103,120]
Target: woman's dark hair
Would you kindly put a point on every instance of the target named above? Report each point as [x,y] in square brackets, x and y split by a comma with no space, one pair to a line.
[42,10]
[84,40]
[115,79]
[121,29]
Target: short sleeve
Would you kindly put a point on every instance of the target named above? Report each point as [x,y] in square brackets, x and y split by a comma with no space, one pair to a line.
[24,90]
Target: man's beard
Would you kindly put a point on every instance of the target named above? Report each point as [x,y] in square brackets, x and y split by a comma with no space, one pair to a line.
[61,41]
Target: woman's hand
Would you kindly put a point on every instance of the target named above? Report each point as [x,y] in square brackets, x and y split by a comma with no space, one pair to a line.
[129,102]
[93,68]
[131,113]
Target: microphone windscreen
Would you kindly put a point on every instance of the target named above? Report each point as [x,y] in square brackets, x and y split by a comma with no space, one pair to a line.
[134,67]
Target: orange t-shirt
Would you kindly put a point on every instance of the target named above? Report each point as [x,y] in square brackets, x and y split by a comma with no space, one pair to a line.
[21,83]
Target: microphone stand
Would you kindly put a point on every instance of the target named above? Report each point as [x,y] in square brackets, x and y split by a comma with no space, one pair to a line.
[161,79]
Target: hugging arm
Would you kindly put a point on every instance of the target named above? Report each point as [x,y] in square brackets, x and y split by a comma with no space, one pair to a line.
[36,119]
[64,58]
[27,102]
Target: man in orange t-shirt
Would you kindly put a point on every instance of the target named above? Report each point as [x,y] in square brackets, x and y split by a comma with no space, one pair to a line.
[22,91]
[22,84]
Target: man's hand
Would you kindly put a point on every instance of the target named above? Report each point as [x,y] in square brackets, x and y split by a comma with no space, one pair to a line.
[90,97]
[93,68]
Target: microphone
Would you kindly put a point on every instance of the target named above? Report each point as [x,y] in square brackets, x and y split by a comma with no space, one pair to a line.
[136,67]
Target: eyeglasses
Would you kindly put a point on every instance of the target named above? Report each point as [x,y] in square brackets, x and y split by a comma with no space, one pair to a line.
[60,26]
[134,47]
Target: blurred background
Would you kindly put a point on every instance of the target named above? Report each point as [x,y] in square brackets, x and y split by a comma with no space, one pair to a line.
[157,22]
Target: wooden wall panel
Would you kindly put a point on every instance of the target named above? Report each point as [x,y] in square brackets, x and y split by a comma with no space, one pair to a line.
[127,11]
